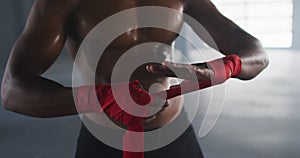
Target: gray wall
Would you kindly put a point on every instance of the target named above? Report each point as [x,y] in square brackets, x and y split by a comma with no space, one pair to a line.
[296,25]
[13,14]
[22,136]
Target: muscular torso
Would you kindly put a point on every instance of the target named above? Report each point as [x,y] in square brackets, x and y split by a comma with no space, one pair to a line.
[89,13]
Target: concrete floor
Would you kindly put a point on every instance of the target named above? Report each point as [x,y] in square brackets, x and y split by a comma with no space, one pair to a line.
[260,119]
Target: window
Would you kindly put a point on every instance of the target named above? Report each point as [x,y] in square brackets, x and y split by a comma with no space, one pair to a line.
[269,20]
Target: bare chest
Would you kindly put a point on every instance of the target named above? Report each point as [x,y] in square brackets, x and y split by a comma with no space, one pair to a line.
[89,13]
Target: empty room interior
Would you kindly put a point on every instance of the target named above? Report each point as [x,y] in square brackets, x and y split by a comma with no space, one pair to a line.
[258,118]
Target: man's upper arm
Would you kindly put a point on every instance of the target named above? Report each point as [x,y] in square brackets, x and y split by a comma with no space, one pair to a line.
[227,35]
[43,38]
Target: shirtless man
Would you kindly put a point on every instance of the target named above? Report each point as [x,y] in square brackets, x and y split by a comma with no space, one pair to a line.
[53,24]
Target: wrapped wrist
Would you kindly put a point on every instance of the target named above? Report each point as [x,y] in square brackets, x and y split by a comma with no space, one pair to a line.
[224,68]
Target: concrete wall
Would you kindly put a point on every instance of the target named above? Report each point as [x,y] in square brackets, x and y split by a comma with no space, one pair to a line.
[13,14]
[296,25]
[22,136]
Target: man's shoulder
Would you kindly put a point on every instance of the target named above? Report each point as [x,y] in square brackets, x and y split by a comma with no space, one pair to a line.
[199,4]
[56,5]
[53,9]
[198,1]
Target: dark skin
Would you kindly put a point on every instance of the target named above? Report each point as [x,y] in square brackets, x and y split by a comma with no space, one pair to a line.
[53,24]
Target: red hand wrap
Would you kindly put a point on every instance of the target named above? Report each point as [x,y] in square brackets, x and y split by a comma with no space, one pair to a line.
[89,97]
[224,68]
[113,110]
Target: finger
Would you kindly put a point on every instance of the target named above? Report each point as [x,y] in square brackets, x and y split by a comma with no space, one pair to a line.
[149,119]
[203,74]
[185,71]
[189,71]
[169,69]
[161,70]
[160,108]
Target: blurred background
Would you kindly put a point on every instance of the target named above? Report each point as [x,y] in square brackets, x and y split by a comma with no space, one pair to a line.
[260,117]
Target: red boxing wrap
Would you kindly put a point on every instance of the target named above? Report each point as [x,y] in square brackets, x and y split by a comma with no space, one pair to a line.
[89,97]
[134,123]
[224,68]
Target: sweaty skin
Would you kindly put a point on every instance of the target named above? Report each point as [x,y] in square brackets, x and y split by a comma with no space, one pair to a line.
[53,24]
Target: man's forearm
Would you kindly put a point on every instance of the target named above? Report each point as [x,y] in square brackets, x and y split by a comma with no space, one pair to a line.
[35,96]
[254,59]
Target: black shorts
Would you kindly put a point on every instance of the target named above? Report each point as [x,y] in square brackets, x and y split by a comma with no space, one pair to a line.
[185,146]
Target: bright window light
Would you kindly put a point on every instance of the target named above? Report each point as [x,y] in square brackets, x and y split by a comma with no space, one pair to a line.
[270,21]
